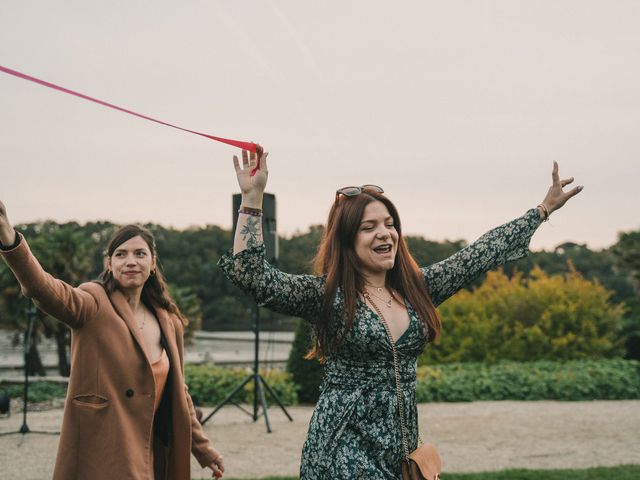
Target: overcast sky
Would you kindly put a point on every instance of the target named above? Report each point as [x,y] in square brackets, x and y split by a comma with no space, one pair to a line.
[456,108]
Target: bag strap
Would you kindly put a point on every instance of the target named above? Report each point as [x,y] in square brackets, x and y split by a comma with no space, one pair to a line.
[396,368]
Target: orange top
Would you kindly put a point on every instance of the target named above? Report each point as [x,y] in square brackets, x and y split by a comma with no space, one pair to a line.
[160,373]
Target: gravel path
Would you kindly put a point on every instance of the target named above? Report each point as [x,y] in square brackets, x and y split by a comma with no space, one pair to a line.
[471,437]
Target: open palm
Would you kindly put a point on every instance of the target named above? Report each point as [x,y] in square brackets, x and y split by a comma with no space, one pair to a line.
[252,175]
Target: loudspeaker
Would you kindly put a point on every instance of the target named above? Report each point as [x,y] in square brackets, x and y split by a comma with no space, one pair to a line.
[269,232]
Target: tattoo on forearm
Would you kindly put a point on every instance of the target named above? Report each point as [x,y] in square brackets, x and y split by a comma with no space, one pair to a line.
[252,231]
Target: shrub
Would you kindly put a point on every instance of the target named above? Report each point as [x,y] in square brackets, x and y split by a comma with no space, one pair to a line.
[542,380]
[538,318]
[209,385]
[39,391]
[307,374]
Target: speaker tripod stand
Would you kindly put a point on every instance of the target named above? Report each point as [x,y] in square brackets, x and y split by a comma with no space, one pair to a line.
[259,385]
[24,429]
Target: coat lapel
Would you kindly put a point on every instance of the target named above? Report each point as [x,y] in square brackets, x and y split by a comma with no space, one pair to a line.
[119,302]
[178,386]
[168,330]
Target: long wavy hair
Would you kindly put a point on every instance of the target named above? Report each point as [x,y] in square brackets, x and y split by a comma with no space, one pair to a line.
[337,260]
[155,293]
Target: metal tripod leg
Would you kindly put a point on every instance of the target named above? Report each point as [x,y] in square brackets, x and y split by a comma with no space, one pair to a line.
[263,401]
[227,399]
[274,395]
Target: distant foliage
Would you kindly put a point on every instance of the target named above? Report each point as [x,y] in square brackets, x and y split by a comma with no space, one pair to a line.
[574,380]
[557,317]
[626,255]
[189,305]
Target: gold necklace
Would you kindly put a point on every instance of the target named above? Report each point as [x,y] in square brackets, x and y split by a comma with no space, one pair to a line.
[380,290]
[144,319]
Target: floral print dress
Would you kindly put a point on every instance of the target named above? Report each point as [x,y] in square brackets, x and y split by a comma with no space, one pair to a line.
[355,431]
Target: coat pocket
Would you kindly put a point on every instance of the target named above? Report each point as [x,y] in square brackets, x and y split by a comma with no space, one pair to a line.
[90,400]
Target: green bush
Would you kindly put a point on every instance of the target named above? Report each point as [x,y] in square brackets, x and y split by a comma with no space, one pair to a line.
[39,391]
[543,380]
[209,385]
[307,374]
[542,317]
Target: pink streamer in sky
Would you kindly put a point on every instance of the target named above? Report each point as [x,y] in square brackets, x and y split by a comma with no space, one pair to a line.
[250,146]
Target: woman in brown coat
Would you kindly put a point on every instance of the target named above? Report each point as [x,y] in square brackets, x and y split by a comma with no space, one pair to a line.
[128,414]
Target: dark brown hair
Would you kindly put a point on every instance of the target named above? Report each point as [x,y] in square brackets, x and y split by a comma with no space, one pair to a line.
[338,261]
[155,293]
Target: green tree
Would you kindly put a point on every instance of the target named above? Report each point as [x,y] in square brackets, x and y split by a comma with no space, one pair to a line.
[67,253]
[626,254]
[189,304]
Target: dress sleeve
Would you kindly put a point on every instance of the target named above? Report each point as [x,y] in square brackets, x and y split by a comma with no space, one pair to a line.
[70,305]
[297,295]
[502,244]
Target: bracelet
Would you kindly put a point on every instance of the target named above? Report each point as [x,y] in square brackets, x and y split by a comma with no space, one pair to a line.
[255,212]
[16,242]
[545,211]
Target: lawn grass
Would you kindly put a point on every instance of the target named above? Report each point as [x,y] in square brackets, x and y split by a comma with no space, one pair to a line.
[622,472]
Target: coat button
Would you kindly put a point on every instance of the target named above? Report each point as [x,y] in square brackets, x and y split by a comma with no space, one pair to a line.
[129,393]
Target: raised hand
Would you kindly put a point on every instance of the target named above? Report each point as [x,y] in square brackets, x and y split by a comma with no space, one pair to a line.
[7,233]
[252,180]
[556,197]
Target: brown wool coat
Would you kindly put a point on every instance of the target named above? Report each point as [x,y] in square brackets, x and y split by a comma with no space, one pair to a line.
[107,430]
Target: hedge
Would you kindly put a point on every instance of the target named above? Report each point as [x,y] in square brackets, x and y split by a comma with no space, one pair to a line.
[209,385]
[462,382]
[542,380]
[39,390]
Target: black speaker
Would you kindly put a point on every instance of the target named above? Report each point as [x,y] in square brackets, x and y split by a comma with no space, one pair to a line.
[269,232]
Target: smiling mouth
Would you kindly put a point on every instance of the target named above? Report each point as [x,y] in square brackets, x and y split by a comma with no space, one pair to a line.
[383,248]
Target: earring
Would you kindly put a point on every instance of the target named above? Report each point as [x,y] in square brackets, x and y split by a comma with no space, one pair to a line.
[152,272]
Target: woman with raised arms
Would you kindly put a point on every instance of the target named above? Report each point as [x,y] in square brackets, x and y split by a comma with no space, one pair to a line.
[368,300]
[128,413]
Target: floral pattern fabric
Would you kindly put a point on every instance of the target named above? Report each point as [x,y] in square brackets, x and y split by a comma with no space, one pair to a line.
[354,432]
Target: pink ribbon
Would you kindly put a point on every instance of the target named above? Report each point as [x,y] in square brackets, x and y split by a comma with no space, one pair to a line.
[252,147]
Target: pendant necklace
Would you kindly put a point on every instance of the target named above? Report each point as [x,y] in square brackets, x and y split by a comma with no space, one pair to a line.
[380,291]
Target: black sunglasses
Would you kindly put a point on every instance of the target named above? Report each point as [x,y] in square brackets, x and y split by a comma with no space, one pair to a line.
[353,191]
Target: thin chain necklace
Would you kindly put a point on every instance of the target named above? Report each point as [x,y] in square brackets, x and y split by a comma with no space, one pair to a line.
[144,318]
[380,290]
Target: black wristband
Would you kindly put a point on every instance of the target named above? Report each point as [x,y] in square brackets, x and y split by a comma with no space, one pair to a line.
[15,243]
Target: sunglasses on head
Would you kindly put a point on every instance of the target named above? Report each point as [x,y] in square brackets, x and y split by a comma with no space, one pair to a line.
[353,191]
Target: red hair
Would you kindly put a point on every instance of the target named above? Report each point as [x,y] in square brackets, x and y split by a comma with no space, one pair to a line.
[338,261]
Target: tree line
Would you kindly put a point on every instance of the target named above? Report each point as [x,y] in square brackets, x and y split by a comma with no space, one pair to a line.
[73,252]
